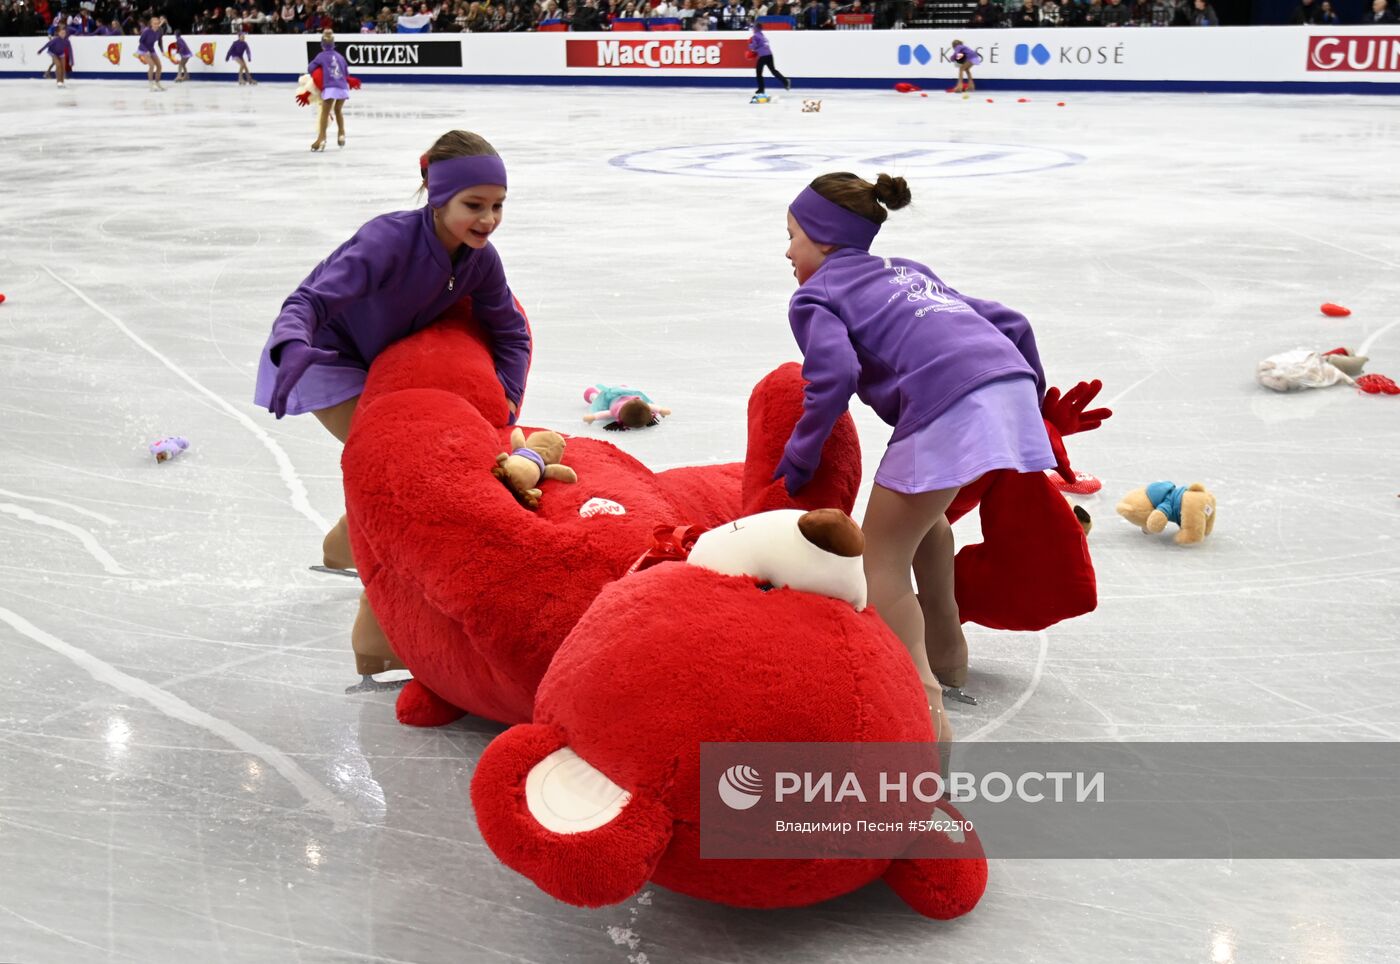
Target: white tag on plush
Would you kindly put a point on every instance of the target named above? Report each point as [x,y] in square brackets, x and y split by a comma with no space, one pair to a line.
[596,506]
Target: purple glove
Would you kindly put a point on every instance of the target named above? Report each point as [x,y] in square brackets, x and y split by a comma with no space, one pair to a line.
[293,361]
[793,476]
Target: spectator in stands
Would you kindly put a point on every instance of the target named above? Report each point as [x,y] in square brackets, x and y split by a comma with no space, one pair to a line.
[588,17]
[1140,13]
[686,14]
[734,16]
[1327,16]
[1093,14]
[813,16]
[1306,13]
[985,14]
[1380,14]
[1071,13]
[1203,14]
[1114,14]
[1049,13]
[1027,15]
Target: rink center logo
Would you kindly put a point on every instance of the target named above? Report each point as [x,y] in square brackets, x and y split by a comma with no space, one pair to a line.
[657,54]
[1370,54]
[395,53]
[790,160]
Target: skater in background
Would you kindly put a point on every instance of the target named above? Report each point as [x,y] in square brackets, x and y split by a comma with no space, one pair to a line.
[397,275]
[965,58]
[759,47]
[60,51]
[959,378]
[148,52]
[240,52]
[183,53]
[335,90]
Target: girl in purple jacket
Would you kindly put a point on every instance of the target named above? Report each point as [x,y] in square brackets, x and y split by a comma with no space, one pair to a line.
[763,54]
[958,378]
[965,58]
[183,53]
[148,52]
[335,89]
[61,50]
[241,52]
[398,274]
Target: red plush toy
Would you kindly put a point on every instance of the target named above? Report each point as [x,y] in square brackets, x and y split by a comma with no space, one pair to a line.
[616,676]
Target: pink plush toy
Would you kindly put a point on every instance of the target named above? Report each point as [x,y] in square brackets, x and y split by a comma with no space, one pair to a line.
[167,448]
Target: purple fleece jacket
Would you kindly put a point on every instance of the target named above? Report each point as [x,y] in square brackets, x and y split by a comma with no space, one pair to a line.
[394,278]
[335,72]
[758,43]
[890,331]
[239,49]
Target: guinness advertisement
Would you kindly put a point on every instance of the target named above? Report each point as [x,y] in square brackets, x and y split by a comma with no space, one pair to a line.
[395,53]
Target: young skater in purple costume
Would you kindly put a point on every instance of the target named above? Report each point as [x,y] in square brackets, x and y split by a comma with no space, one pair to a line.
[148,52]
[241,52]
[61,50]
[958,378]
[397,275]
[184,53]
[335,89]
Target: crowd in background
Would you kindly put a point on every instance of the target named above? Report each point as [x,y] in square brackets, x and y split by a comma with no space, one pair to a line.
[19,17]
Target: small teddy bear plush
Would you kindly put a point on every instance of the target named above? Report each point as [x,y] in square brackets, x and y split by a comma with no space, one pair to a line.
[1189,506]
[530,463]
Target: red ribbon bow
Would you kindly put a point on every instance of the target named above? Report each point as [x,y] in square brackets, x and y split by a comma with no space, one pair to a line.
[668,544]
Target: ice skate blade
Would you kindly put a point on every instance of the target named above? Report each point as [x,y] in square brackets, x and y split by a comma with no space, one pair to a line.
[368,684]
[957,693]
[352,573]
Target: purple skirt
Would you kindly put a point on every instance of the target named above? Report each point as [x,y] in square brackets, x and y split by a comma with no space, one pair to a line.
[321,387]
[996,426]
[335,93]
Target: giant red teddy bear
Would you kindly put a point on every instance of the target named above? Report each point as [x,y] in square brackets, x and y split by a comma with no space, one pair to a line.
[614,679]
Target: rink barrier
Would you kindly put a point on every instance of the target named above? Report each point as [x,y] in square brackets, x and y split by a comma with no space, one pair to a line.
[1225,59]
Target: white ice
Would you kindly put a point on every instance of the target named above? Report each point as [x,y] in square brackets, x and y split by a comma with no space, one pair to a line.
[182,776]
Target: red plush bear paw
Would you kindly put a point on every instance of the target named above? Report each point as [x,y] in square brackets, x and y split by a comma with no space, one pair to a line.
[420,706]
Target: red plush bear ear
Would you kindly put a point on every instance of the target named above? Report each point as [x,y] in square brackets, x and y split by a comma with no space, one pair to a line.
[550,815]
[774,408]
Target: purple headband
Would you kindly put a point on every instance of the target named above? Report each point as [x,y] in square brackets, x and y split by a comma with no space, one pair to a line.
[447,177]
[827,222]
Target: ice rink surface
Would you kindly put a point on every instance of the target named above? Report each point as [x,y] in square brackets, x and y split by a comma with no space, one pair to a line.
[182,776]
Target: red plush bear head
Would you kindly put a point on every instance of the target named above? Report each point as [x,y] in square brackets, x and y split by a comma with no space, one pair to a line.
[602,792]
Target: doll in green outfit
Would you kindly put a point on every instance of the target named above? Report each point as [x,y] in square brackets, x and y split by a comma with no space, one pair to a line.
[621,407]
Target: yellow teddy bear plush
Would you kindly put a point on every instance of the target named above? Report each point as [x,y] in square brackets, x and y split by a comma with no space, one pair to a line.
[531,462]
[1189,506]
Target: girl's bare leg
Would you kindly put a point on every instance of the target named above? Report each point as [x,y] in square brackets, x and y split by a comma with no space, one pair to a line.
[895,527]
[322,123]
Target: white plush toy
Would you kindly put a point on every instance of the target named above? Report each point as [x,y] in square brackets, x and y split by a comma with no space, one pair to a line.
[818,551]
[1293,370]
